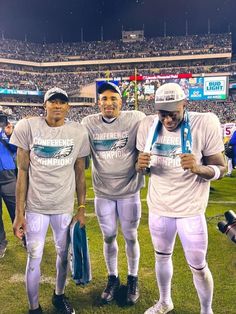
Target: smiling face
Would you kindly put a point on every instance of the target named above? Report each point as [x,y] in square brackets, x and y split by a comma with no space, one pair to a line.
[110,104]
[172,119]
[57,110]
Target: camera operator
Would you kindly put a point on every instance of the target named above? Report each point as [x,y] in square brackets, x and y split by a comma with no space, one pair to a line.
[7,178]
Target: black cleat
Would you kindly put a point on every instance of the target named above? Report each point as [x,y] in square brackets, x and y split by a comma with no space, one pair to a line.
[62,304]
[36,311]
[112,287]
[132,290]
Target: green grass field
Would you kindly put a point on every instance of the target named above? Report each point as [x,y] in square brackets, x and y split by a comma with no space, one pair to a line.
[221,259]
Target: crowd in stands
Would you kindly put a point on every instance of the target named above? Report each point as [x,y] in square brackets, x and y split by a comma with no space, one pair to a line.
[72,81]
[43,81]
[225,110]
[193,66]
[72,78]
[152,47]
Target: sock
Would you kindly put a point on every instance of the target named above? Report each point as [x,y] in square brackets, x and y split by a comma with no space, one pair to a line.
[133,255]
[164,273]
[110,254]
[204,285]
[32,279]
[61,267]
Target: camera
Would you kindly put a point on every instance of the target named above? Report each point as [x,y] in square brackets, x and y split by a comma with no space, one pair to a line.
[229,226]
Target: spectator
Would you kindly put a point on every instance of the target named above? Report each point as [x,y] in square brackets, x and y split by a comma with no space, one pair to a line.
[7,180]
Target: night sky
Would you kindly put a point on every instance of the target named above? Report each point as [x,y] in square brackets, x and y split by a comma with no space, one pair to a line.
[57,20]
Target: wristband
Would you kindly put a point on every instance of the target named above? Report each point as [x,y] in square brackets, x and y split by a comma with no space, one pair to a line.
[217,172]
[81,206]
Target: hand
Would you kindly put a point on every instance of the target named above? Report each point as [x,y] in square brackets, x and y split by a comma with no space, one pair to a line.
[19,227]
[143,161]
[79,216]
[8,129]
[188,161]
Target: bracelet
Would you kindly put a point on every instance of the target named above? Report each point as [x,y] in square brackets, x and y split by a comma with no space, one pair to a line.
[81,206]
[216,171]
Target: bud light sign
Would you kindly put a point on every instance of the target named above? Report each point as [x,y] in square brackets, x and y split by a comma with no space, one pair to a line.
[208,88]
[215,87]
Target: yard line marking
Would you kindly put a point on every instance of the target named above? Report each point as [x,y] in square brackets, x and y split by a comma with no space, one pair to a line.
[21,278]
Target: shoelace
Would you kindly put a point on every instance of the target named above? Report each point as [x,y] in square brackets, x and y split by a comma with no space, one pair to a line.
[110,284]
[132,284]
[159,307]
[66,304]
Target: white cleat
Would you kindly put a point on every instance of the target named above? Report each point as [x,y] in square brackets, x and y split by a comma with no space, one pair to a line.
[160,308]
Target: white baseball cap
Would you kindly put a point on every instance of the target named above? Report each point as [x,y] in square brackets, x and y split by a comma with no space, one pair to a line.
[54,93]
[168,96]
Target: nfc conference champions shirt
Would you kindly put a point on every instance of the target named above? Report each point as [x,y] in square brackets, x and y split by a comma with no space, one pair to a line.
[172,191]
[114,153]
[53,152]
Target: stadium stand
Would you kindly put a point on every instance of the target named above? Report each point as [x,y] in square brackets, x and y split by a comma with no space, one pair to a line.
[73,66]
[159,46]
[225,110]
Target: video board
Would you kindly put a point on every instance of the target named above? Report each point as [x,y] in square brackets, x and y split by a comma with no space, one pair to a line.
[7,91]
[208,88]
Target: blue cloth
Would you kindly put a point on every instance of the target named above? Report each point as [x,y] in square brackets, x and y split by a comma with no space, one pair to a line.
[232,142]
[80,259]
[7,154]
[7,181]
[186,137]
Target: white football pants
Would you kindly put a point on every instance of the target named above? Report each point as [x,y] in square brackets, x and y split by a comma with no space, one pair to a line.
[193,235]
[36,230]
[128,212]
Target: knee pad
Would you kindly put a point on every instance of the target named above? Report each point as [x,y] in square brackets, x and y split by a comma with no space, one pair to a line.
[130,233]
[201,273]
[196,258]
[63,257]
[35,249]
[162,257]
[110,239]
[130,242]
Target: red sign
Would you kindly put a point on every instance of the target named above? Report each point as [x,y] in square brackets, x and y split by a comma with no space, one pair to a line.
[160,76]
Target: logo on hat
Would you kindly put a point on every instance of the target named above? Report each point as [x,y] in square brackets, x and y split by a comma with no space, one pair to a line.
[168,96]
[56,92]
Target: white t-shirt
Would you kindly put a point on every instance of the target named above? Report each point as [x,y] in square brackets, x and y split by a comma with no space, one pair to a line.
[172,191]
[114,153]
[53,152]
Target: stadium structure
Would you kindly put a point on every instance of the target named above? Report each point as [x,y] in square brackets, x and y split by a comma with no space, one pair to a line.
[205,67]
[203,64]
